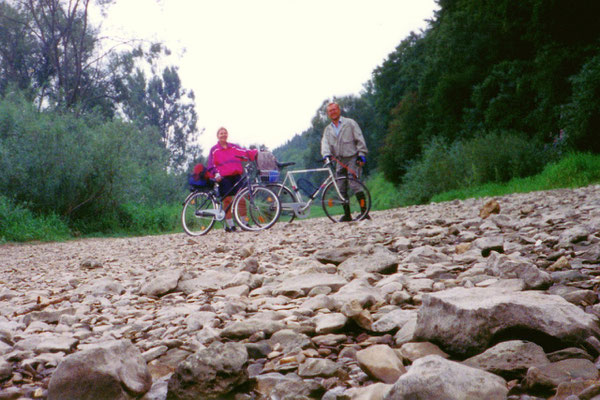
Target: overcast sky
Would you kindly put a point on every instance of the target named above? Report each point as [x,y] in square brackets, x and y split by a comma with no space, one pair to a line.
[261,68]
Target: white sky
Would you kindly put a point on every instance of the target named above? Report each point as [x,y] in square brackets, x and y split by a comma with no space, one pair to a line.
[261,68]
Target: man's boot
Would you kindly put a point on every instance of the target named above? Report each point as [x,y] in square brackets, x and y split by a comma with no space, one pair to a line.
[347,217]
[362,201]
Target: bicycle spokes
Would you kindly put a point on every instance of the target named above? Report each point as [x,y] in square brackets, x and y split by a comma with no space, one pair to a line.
[257,209]
[346,199]
[198,216]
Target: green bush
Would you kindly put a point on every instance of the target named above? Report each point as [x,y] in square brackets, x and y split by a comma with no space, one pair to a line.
[137,218]
[573,170]
[435,172]
[18,224]
[82,168]
[502,155]
[492,157]
[384,195]
[581,116]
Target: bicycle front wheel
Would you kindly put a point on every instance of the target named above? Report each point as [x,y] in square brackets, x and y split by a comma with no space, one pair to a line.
[287,199]
[256,209]
[350,201]
[198,215]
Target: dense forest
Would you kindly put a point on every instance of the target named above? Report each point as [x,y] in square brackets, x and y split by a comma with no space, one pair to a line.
[491,90]
[93,130]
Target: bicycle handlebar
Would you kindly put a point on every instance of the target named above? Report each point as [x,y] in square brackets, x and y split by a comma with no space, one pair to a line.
[285,164]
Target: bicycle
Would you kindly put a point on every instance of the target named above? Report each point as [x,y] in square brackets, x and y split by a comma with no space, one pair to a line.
[254,207]
[343,198]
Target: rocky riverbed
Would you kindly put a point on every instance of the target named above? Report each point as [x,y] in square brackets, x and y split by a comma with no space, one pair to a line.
[476,299]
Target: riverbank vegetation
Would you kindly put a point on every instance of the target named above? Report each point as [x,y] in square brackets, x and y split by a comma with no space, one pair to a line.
[493,97]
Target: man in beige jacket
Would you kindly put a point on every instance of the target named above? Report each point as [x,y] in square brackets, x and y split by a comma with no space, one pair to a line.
[343,139]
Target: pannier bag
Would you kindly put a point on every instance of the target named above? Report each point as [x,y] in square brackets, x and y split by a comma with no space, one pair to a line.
[200,178]
[306,187]
[269,176]
[267,165]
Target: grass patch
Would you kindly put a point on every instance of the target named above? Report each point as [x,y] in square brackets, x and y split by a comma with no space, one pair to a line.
[140,219]
[18,224]
[384,195]
[574,170]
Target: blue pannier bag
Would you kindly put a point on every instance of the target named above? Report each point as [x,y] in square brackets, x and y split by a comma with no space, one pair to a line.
[200,178]
[271,176]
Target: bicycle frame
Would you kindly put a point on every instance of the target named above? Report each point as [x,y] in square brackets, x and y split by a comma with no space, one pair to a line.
[219,213]
[253,207]
[300,208]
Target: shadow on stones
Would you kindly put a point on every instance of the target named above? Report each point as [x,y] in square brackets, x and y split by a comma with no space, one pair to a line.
[547,342]
[391,270]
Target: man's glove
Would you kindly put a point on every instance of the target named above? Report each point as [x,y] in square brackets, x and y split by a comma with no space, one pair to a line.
[361,160]
[326,159]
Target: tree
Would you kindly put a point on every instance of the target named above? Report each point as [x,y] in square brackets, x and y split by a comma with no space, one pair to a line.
[18,64]
[487,66]
[163,103]
[50,48]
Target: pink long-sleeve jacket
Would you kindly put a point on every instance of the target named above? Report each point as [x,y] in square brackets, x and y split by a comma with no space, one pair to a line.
[226,161]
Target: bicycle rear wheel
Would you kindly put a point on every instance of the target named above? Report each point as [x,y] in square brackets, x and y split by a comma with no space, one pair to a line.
[194,219]
[256,209]
[353,205]
[287,198]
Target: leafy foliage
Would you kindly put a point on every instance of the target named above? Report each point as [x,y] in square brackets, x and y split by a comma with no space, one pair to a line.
[573,170]
[50,49]
[79,168]
[528,68]
[581,115]
[494,157]
[162,103]
[19,224]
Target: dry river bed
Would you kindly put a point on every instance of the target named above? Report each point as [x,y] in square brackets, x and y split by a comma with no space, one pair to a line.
[476,299]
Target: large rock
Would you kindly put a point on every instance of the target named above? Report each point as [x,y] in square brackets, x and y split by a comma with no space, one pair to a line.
[510,359]
[208,280]
[210,373]
[434,378]
[508,267]
[5,369]
[302,284]
[289,340]
[248,327]
[162,284]
[380,260]
[392,320]
[336,255]
[110,371]
[359,290]
[290,386]
[426,255]
[381,362]
[551,375]
[376,391]
[464,321]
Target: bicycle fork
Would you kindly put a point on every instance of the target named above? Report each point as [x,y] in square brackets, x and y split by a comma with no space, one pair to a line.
[218,213]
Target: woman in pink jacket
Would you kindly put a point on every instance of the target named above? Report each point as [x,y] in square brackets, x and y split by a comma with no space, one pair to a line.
[225,164]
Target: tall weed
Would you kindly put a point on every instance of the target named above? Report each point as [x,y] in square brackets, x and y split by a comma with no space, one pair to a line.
[83,169]
[574,170]
[487,158]
[384,195]
[18,224]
